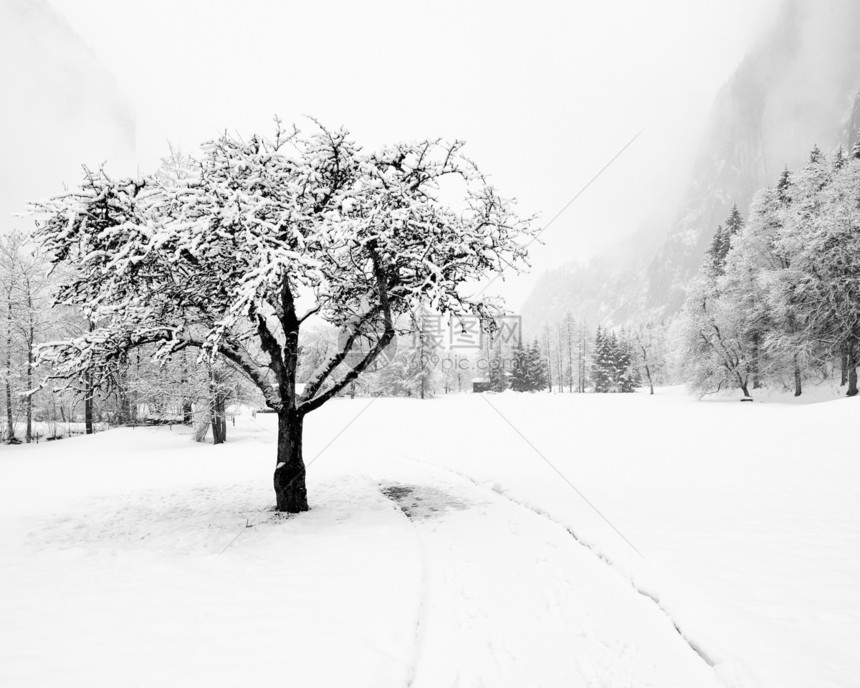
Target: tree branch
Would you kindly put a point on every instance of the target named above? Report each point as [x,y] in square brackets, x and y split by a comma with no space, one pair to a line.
[314,385]
[385,306]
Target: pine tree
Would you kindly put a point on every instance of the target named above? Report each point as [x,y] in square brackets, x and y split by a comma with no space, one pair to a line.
[734,224]
[612,361]
[839,158]
[626,374]
[783,187]
[601,368]
[536,367]
[715,251]
[721,244]
[520,373]
[815,155]
[498,378]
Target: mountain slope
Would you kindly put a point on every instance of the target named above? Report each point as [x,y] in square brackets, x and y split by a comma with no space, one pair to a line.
[797,88]
[62,108]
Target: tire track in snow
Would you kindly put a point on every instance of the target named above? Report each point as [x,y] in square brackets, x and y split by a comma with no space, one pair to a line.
[592,548]
[423,587]
[485,631]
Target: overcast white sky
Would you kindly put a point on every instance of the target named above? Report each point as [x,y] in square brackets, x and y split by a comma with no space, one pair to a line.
[543,92]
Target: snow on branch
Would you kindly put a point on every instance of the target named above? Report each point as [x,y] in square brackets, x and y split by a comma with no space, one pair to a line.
[215,252]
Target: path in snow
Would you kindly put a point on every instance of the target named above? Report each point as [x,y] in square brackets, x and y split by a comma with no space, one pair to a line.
[511,599]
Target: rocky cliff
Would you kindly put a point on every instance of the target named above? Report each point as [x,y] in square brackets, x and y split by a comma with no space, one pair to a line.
[799,87]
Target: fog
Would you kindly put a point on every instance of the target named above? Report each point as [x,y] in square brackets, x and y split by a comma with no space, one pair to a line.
[544,94]
[804,102]
[61,108]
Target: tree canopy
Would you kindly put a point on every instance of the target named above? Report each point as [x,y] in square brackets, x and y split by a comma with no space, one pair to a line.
[218,252]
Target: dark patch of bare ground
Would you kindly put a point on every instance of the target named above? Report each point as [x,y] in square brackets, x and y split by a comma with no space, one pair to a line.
[421,501]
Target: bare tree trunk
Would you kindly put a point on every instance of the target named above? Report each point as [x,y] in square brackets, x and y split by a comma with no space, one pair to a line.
[10,422]
[202,426]
[743,383]
[755,362]
[123,412]
[28,437]
[581,367]
[559,364]
[219,420]
[88,404]
[290,489]
[88,394]
[648,375]
[583,363]
[843,360]
[851,356]
[422,363]
[135,396]
[798,389]
[186,397]
[217,407]
[569,357]
[548,363]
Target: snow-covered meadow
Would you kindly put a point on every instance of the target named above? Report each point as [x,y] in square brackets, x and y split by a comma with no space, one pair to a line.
[444,548]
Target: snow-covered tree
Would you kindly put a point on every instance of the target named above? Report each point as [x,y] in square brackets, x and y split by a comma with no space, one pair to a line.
[538,366]
[715,350]
[520,370]
[496,369]
[529,368]
[601,364]
[820,287]
[648,340]
[613,365]
[456,371]
[626,370]
[25,293]
[220,260]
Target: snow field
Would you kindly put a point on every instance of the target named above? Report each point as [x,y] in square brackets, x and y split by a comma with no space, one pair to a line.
[128,582]
[441,549]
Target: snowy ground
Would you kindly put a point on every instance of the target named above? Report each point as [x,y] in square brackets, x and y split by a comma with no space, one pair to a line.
[443,549]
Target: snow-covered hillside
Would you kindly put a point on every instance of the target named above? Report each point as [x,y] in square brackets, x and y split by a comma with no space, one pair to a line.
[444,548]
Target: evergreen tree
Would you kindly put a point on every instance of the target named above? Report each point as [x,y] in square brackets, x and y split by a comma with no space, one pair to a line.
[716,254]
[627,377]
[537,367]
[602,364]
[734,225]
[815,155]
[783,187]
[722,241]
[839,158]
[521,374]
[498,378]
